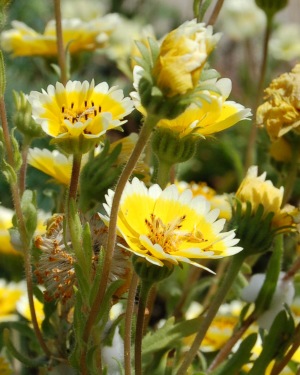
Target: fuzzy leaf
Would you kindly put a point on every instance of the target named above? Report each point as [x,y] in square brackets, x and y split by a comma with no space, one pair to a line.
[169,334]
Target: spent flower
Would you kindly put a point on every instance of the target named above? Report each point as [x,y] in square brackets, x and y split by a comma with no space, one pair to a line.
[79,114]
[280,113]
[167,228]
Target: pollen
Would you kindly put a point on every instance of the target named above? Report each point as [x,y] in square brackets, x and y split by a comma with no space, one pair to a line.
[80,113]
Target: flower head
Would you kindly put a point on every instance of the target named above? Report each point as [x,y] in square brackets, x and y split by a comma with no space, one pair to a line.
[56,265]
[78,35]
[259,191]
[166,227]
[79,112]
[215,113]
[10,293]
[182,56]
[280,113]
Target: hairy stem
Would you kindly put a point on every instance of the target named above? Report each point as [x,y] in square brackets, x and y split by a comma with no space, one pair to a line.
[250,152]
[60,43]
[128,322]
[22,230]
[23,170]
[112,230]
[227,282]
[215,13]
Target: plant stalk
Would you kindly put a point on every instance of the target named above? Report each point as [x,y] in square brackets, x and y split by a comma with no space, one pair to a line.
[60,43]
[225,286]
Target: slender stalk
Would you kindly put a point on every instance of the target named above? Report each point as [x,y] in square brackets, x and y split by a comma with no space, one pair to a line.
[163,174]
[60,43]
[112,230]
[23,170]
[228,280]
[22,229]
[128,322]
[278,367]
[215,13]
[226,349]
[250,152]
[139,333]
[75,175]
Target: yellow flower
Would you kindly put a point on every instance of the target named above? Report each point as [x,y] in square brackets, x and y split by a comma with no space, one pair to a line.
[281,150]
[10,293]
[4,367]
[78,36]
[281,111]
[217,201]
[257,190]
[166,227]
[6,216]
[24,310]
[182,56]
[53,163]
[214,115]
[79,111]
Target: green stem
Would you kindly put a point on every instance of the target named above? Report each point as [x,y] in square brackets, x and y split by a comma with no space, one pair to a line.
[226,349]
[60,43]
[23,170]
[278,367]
[144,136]
[225,286]
[139,333]
[128,322]
[215,13]
[250,152]
[22,230]
[163,173]
[75,175]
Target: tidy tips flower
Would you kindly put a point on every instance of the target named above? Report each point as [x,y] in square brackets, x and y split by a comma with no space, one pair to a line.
[280,113]
[167,228]
[78,35]
[214,115]
[182,56]
[78,115]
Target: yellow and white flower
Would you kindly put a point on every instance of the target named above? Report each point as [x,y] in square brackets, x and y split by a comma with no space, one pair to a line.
[166,227]
[79,110]
[285,42]
[53,163]
[182,56]
[78,35]
[10,293]
[214,115]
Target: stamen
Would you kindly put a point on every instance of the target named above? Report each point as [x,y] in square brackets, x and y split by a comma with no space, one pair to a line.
[62,109]
[72,105]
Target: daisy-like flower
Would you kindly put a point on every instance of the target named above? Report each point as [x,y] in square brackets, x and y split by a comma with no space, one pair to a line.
[216,201]
[280,113]
[182,56]
[166,227]
[78,35]
[257,190]
[53,163]
[80,113]
[6,216]
[214,115]
[24,309]
[10,293]
[56,265]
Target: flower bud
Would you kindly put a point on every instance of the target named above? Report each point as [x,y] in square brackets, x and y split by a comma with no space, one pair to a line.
[271,7]
[149,272]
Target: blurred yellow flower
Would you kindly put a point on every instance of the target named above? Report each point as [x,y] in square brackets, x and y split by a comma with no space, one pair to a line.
[10,293]
[4,367]
[166,227]
[216,201]
[281,150]
[79,111]
[257,190]
[182,56]
[78,35]
[24,310]
[6,216]
[281,111]
[53,163]
[214,115]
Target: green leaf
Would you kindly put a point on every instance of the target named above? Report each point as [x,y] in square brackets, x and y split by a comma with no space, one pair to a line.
[169,334]
[2,75]
[239,358]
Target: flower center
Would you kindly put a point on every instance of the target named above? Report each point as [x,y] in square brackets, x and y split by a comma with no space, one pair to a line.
[82,113]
